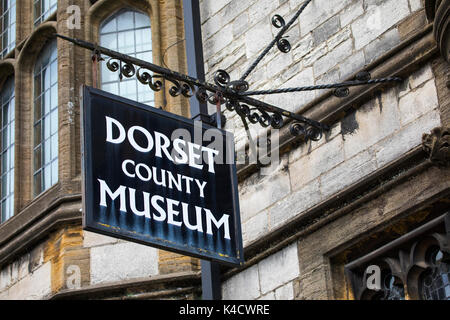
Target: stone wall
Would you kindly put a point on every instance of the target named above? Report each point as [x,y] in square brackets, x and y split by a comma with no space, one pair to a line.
[114,260]
[272,278]
[331,41]
[29,277]
[366,140]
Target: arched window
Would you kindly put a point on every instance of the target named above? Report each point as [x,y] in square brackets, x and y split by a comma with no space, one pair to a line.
[7,150]
[8,26]
[43,9]
[45,152]
[127,32]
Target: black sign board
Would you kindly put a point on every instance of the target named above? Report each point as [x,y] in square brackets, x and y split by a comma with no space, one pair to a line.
[159,179]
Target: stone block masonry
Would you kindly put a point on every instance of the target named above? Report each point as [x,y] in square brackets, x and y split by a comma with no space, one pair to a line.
[331,41]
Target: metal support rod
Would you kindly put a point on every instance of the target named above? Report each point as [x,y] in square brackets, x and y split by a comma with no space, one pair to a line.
[321,87]
[211,284]
[275,40]
[227,92]
[211,287]
[194,54]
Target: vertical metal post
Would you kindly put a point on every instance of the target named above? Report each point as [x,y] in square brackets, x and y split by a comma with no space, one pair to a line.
[194,53]
[211,287]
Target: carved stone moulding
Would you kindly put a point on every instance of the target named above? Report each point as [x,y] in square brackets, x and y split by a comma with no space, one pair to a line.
[439,12]
[437,145]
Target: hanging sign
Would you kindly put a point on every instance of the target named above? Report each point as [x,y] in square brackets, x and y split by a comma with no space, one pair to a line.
[159,179]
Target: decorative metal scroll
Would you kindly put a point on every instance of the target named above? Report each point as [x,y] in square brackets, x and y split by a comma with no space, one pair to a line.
[235,95]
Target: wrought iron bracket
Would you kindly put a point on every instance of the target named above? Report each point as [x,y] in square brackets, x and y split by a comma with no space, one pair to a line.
[234,94]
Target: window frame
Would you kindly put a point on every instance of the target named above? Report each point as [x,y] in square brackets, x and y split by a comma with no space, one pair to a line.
[10,149]
[48,52]
[43,15]
[139,87]
[10,30]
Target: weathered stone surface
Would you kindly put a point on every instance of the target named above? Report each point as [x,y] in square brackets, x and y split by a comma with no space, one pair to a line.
[374,121]
[338,54]
[326,30]
[268,296]
[416,5]
[260,194]
[5,277]
[370,215]
[421,76]
[405,139]
[278,269]
[442,71]
[219,41]
[210,8]
[92,239]
[313,285]
[36,285]
[332,40]
[418,102]
[243,286]
[351,65]
[294,101]
[295,203]
[317,162]
[341,36]
[111,263]
[318,12]
[347,173]
[377,20]
[381,45]
[255,227]
[286,292]
[439,12]
[351,13]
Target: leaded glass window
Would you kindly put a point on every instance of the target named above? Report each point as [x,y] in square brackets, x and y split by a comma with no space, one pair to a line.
[414,266]
[435,282]
[43,9]
[392,289]
[127,32]
[7,150]
[8,25]
[45,152]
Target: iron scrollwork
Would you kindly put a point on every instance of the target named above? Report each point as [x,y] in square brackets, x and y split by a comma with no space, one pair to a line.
[234,94]
[127,69]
